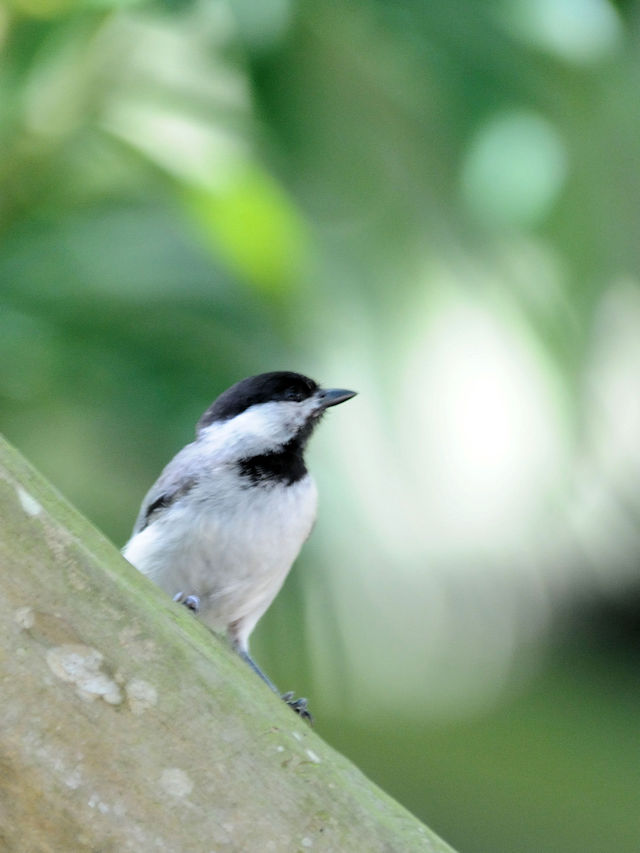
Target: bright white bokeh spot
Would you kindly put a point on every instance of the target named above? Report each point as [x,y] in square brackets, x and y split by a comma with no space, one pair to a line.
[452,464]
[580,31]
[483,425]
[514,169]
[469,441]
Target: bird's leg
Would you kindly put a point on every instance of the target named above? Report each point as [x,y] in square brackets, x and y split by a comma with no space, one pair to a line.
[298,705]
[190,601]
[254,666]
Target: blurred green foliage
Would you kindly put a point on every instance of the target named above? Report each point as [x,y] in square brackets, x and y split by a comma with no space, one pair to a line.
[436,204]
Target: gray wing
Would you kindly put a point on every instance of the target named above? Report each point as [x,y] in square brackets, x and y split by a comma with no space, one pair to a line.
[177,479]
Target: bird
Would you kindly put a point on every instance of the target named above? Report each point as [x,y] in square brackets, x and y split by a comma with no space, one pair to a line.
[224,522]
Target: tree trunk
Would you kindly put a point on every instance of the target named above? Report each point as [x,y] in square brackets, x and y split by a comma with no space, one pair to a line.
[125,725]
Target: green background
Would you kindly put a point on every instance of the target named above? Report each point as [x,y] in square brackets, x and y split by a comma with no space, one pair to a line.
[438,205]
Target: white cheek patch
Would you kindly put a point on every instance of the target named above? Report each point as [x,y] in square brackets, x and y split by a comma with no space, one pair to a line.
[259,429]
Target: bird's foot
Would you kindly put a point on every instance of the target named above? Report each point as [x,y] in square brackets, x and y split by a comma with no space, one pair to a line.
[190,601]
[298,705]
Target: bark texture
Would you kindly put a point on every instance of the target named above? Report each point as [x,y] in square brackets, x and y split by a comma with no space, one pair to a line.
[125,725]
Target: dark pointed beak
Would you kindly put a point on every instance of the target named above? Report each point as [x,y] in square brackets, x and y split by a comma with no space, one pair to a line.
[332,396]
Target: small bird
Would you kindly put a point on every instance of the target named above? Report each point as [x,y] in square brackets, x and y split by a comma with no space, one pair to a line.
[221,527]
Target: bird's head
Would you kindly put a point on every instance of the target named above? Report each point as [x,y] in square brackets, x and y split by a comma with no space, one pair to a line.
[264,413]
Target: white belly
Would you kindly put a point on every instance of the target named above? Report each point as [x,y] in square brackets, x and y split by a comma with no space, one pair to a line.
[233,554]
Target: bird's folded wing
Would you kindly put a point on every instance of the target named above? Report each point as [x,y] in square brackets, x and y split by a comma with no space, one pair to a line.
[177,479]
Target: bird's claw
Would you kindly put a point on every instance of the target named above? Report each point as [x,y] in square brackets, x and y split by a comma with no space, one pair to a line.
[298,705]
[190,601]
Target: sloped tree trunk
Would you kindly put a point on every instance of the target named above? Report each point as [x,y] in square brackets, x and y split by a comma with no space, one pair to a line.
[124,725]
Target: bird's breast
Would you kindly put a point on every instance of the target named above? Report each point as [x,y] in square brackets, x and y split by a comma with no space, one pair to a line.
[231,546]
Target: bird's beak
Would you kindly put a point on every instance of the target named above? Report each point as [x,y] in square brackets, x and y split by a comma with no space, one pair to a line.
[332,396]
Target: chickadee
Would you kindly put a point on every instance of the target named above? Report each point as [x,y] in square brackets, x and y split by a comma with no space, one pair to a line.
[220,528]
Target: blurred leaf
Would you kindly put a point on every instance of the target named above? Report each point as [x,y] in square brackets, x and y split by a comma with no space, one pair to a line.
[256,227]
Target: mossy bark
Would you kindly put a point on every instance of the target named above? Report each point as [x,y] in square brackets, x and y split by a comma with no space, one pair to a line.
[125,725]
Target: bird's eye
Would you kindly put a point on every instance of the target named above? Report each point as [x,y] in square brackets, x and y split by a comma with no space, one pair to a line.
[292,394]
